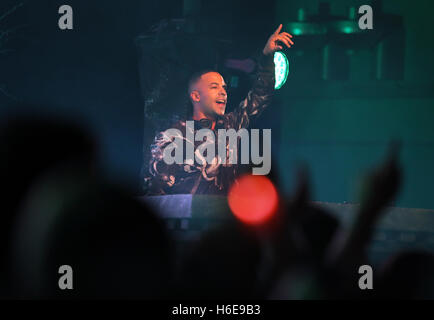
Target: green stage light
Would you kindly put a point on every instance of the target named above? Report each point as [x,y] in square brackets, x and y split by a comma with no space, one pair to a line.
[347,29]
[344,26]
[281,69]
[296,31]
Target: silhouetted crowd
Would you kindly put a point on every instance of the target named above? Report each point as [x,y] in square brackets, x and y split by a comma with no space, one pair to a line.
[59,210]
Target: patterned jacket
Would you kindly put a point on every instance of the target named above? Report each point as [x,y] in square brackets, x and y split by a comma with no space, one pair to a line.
[214,177]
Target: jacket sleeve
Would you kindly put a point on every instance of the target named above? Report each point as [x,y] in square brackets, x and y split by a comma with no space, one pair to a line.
[162,176]
[259,96]
[170,178]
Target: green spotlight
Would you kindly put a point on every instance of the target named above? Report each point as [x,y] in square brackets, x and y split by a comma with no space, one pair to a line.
[281,69]
[347,29]
[296,31]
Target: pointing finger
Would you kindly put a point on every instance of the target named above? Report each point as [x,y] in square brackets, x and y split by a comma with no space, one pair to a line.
[278,29]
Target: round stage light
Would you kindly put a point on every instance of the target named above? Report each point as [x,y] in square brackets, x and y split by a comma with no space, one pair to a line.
[281,69]
[253,199]
[296,31]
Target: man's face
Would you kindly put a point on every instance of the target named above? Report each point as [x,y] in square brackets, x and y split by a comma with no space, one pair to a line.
[212,96]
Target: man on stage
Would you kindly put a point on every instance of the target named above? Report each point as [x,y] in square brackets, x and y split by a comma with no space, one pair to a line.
[208,95]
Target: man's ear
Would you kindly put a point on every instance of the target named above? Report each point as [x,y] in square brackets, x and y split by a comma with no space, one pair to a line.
[195,96]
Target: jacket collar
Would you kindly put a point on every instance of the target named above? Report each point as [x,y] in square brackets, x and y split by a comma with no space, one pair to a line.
[206,123]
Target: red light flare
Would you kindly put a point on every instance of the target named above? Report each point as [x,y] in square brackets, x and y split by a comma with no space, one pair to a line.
[253,199]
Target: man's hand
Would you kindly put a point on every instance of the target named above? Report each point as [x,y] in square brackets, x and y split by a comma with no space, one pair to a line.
[277,40]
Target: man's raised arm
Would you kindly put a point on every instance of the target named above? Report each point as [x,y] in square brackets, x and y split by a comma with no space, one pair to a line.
[259,97]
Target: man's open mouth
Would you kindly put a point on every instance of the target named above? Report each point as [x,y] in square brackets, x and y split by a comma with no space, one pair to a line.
[221,102]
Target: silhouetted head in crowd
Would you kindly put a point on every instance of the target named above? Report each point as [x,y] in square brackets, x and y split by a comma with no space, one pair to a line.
[32,145]
[116,247]
[29,147]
